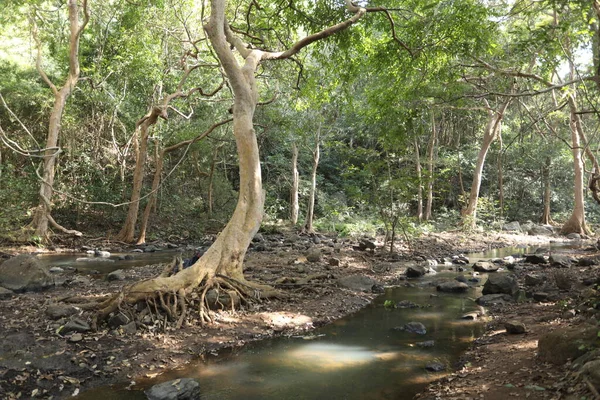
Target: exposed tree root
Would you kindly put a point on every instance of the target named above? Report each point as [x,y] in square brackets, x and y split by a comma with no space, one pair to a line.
[176,297]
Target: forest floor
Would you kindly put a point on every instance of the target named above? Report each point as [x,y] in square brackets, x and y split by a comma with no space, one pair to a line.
[37,362]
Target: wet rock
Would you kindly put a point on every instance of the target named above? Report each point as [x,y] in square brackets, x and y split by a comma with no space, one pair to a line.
[500,284]
[493,299]
[56,270]
[512,227]
[534,279]
[460,260]
[435,367]
[415,271]
[472,316]
[101,253]
[559,260]
[514,327]
[24,273]
[178,389]
[150,249]
[378,288]
[568,343]
[137,251]
[172,246]
[587,261]
[94,260]
[118,275]
[314,255]
[58,311]
[484,266]
[461,278]
[427,343]
[406,304]
[412,327]
[75,325]
[574,236]
[5,293]
[452,287]
[357,282]
[535,259]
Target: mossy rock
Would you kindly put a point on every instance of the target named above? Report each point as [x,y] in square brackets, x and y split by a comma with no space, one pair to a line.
[568,343]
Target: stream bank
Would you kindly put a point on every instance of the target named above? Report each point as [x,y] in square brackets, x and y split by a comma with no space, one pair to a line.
[35,361]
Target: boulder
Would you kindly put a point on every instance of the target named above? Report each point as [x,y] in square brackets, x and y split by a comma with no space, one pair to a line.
[5,293]
[485,266]
[512,227]
[314,255]
[500,284]
[118,275]
[58,311]
[559,260]
[178,389]
[359,283]
[515,327]
[415,271]
[534,279]
[412,327]
[452,287]
[493,299]
[568,343]
[24,273]
[535,230]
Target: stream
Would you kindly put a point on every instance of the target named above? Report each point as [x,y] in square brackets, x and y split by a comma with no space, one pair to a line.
[360,356]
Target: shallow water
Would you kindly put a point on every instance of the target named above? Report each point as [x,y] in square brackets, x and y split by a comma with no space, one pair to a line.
[358,357]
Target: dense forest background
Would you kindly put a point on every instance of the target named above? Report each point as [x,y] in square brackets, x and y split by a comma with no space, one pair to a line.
[395,114]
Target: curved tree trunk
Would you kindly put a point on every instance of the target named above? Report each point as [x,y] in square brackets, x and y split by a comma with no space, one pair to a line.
[42,215]
[576,223]
[294,205]
[491,132]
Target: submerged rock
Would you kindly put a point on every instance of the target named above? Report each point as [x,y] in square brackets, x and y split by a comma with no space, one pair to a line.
[435,367]
[412,327]
[178,389]
[452,287]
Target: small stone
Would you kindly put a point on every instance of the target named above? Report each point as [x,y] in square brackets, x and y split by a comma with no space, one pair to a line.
[117,275]
[427,343]
[334,262]
[435,367]
[57,311]
[515,327]
[76,337]
[314,255]
[178,389]
[75,325]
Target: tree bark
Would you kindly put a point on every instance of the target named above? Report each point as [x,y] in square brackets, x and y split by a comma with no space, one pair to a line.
[546,216]
[430,169]
[491,132]
[419,182]
[500,178]
[42,215]
[294,205]
[576,223]
[308,227]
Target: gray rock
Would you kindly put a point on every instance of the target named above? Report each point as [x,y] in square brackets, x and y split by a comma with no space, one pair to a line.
[118,319]
[559,260]
[75,325]
[5,293]
[484,266]
[515,327]
[129,329]
[24,273]
[435,366]
[493,299]
[314,255]
[512,227]
[534,279]
[137,251]
[587,261]
[472,316]
[452,287]
[539,230]
[334,262]
[500,284]
[412,327]
[357,282]
[76,337]
[118,275]
[94,260]
[415,271]
[461,278]
[574,236]
[58,311]
[535,259]
[427,343]
[541,296]
[102,253]
[56,270]
[258,238]
[376,288]
[178,389]
[150,249]
[591,370]
[406,304]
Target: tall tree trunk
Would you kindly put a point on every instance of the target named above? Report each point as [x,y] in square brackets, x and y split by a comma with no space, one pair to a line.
[500,178]
[419,182]
[42,215]
[546,216]
[576,223]
[491,132]
[430,169]
[308,227]
[294,205]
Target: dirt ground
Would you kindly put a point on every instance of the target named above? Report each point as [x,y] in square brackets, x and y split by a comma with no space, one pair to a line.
[36,361]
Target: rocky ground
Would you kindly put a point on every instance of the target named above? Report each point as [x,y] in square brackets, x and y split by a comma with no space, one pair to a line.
[48,351]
